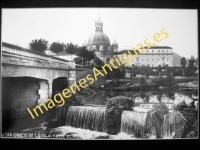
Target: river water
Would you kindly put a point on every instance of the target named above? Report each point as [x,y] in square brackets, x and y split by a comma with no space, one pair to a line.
[94,118]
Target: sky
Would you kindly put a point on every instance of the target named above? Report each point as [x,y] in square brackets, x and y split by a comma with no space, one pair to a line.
[128,26]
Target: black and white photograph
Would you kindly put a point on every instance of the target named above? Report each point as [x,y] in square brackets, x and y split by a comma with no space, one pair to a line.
[99,73]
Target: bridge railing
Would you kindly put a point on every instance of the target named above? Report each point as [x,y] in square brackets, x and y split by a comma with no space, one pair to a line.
[13,54]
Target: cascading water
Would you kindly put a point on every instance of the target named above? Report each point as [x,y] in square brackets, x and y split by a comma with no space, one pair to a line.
[87,117]
[150,126]
[168,129]
[133,122]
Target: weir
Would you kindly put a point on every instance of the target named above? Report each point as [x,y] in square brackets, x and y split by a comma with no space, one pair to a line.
[133,122]
[87,117]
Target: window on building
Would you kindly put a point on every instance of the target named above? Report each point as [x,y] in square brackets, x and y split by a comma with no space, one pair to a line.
[142,59]
[167,59]
[163,51]
[137,59]
[152,51]
[158,51]
[147,59]
[147,51]
[163,58]
[167,51]
[152,59]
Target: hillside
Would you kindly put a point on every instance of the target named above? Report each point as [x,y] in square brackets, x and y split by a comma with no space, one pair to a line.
[176,59]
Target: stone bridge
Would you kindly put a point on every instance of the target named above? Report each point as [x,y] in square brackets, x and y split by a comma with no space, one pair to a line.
[27,77]
[21,62]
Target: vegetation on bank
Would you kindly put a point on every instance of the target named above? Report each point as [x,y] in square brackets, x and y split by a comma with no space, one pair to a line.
[114,108]
[191,115]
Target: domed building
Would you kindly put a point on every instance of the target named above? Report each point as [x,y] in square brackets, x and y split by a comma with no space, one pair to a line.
[100,43]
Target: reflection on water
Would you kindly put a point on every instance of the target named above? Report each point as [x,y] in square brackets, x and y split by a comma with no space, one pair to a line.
[175,96]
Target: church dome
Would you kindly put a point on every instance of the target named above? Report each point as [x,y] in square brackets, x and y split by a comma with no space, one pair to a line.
[99,38]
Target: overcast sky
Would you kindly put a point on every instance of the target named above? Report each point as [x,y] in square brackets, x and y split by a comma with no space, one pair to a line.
[128,26]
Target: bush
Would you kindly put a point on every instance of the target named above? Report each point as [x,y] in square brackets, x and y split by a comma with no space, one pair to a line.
[115,106]
[120,102]
[161,109]
[191,115]
[177,120]
[192,134]
[155,118]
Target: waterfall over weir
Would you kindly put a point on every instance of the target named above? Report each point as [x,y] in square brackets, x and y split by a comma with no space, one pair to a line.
[168,129]
[133,122]
[87,117]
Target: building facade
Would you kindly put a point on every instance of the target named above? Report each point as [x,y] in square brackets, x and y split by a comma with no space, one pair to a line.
[154,56]
[100,43]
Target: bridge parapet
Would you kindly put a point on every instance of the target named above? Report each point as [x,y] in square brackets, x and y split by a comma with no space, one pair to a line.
[12,54]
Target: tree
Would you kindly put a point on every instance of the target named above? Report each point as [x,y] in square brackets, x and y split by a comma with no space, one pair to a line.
[56,47]
[121,71]
[84,52]
[159,68]
[97,62]
[71,48]
[183,64]
[39,45]
[191,62]
[133,70]
[78,60]
[197,62]
[191,66]
[170,70]
[141,69]
[164,68]
[147,71]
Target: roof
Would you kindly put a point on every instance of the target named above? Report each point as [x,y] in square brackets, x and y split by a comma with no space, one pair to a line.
[158,47]
[153,103]
[64,53]
[125,51]
[99,38]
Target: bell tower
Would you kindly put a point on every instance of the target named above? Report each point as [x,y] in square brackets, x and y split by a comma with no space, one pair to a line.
[115,46]
[98,25]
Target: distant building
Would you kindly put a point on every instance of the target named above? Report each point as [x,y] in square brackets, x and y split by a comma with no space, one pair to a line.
[154,56]
[100,43]
[140,103]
